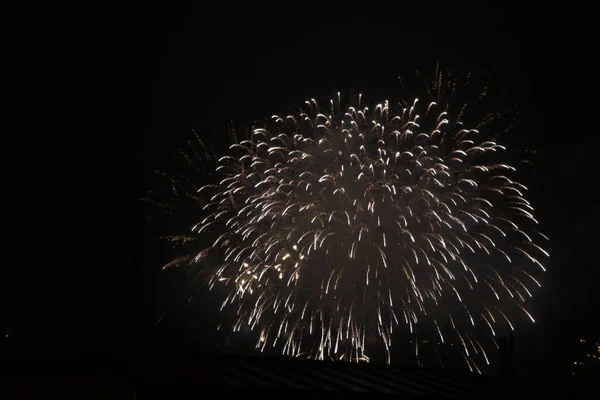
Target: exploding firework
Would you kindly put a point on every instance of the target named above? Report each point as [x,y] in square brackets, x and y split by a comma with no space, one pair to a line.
[350,220]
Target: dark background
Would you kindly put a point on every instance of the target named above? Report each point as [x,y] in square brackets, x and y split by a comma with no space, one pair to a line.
[190,66]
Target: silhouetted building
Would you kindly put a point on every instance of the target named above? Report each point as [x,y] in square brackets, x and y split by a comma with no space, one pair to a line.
[260,376]
[506,361]
[186,376]
[586,355]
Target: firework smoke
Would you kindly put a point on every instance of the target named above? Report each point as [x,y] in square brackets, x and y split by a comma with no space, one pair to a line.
[348,219]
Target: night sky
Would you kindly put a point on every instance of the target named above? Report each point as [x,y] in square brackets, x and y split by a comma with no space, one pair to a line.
[187,68]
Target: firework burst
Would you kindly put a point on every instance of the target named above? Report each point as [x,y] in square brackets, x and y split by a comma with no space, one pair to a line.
[349,219]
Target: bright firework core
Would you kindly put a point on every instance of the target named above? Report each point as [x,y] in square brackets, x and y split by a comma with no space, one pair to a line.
[343,221]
